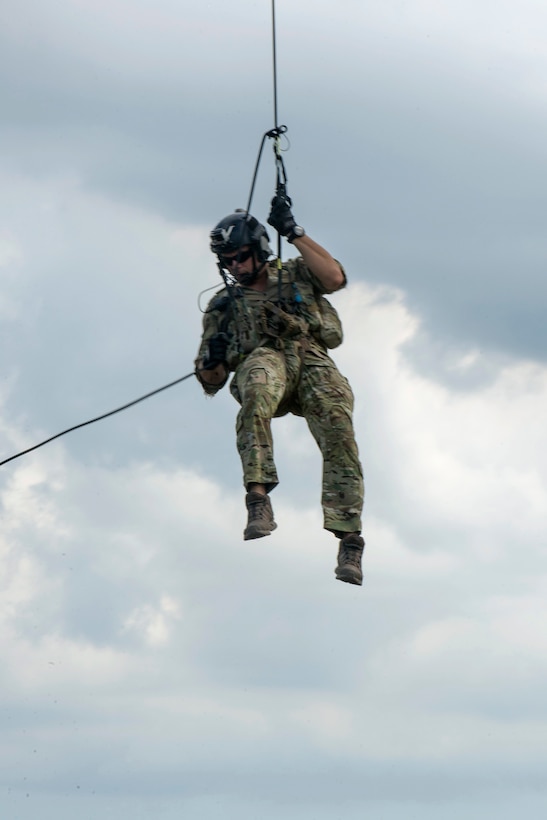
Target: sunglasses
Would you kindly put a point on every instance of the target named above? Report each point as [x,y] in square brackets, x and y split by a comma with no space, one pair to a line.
[242,256]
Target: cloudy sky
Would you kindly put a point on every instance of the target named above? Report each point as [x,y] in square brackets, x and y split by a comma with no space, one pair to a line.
[154,665]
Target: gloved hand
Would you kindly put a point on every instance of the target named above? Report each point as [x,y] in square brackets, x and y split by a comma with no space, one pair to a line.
[281,217]
[218,345]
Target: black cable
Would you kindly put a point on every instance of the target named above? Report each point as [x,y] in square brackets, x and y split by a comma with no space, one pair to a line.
[274,133]
[98,418]
[200,294]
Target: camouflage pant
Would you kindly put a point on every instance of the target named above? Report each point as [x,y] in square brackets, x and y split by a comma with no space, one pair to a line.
[270,383]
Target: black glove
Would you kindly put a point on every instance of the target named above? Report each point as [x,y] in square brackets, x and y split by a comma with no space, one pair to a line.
[218,345]
[281,217]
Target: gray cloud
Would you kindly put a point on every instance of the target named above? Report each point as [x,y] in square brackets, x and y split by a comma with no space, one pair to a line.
[430,146]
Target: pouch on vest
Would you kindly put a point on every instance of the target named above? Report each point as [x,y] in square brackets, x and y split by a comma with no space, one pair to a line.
[277,323]
[330,332]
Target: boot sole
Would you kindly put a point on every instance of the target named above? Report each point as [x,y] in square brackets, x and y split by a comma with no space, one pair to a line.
[349,578]
[256,532]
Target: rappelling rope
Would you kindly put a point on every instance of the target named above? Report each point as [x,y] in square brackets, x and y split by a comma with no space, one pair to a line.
[277,131]
[274,133]
[274,60]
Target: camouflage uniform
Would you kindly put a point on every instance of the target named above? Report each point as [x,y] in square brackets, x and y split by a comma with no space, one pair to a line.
[278,353]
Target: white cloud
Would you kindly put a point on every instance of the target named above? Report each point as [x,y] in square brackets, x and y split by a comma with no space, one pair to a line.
[444,476]
[466,464]
[198,642]
[154,623]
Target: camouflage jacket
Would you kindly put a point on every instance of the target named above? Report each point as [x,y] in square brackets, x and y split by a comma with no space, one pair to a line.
[292,315]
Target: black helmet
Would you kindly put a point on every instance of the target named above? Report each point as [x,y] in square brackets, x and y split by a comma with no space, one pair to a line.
[238,229]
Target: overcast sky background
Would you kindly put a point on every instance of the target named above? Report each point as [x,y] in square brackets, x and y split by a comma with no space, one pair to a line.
[154,665]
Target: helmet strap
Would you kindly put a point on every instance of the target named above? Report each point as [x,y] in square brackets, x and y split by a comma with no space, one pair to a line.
[246,279]
[250,278]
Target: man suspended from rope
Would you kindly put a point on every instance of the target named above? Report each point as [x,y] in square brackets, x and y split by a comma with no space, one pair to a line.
[271,326]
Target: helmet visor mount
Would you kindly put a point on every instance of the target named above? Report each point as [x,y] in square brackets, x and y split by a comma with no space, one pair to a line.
[237,230]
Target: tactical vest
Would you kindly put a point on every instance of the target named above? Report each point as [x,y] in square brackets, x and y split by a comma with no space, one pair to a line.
[290,310]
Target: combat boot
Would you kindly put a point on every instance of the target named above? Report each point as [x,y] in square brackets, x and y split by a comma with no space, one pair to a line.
[260,521]
[349,559]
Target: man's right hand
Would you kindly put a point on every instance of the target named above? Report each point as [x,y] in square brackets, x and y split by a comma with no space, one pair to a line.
[218,345]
